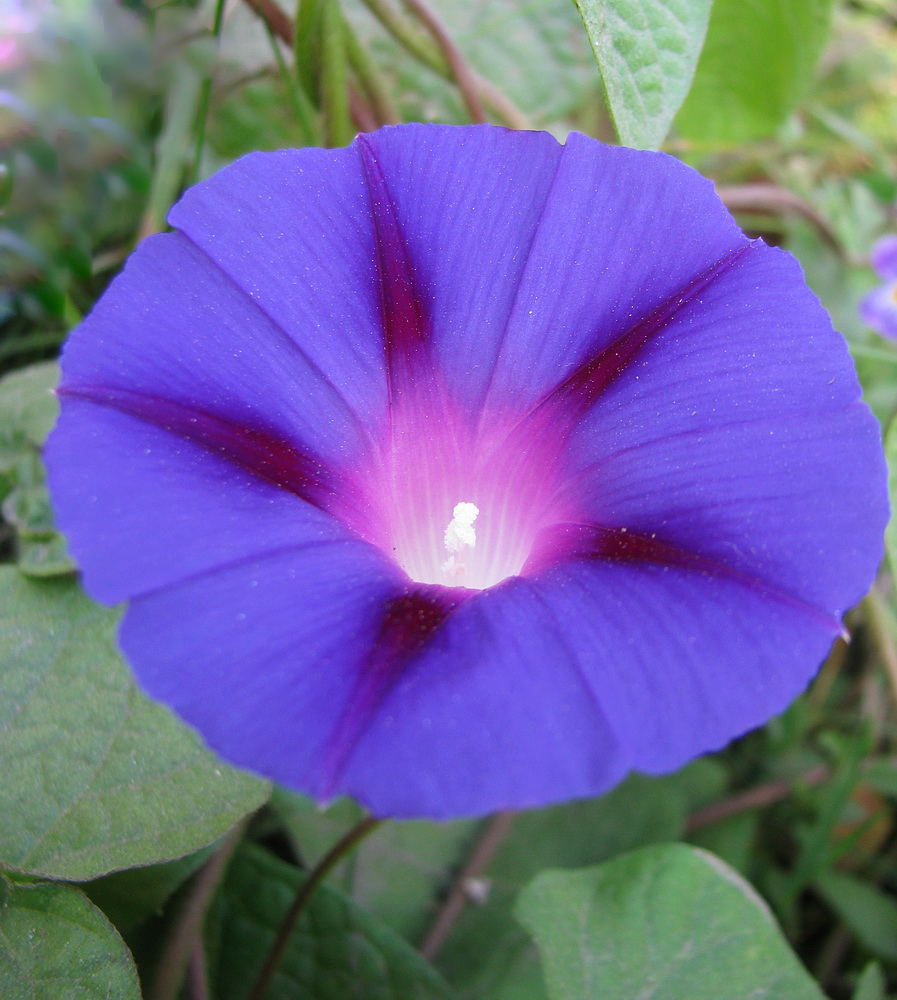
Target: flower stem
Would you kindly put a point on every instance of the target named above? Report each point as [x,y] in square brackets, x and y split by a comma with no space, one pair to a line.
[765,199]
[759,797]
[422,48]
[407,35]
[187,930]
[334,75]
[492,837]
[304,895]
[460,71]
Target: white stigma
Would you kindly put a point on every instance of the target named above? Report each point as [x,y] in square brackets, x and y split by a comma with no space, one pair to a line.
[459,536]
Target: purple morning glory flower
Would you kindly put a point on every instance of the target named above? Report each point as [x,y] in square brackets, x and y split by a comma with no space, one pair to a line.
[879,308]
[460,469]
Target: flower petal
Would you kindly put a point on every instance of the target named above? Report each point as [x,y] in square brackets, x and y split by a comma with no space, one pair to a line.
[739,435]
[623,235]
[579,244]
[493,713]
[682,659]
[293,230]
[269,655]
[211,347]
[467,203]
[143,507]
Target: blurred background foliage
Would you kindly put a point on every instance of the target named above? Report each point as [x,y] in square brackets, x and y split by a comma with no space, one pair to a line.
[109,109]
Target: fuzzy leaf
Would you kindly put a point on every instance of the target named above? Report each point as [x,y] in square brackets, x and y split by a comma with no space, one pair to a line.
[487,954]
[666,923]
[336,952]
[56,944]
[647,51]
[95,776]
[27,401]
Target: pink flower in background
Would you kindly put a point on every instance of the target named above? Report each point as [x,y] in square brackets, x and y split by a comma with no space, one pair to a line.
[16,20]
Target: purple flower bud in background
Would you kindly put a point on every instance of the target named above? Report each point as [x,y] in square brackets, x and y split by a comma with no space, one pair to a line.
[461,470]
[879,308]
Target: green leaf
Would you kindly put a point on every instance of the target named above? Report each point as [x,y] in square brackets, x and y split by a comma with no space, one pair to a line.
[27,401]
[44,557]
[394,874]
[175,145]
[880,773]
[647,51]
[488,955]
[758,62]
[131,896]
[669,922]
[871,985]
[95,776]
[817,839]
[336,952]
[869,913]
[732,839]
[56,945]
[28,409]
[27,509]
[503,40]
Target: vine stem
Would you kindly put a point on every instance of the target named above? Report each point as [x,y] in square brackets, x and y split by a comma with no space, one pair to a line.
[187,929]
[754,798]
[197,975]
[282,26]
[422,48]
[304,895]
[771,199]
[493,836]
[460,71]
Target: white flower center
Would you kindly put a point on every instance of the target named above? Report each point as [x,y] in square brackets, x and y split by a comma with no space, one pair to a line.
[460,535]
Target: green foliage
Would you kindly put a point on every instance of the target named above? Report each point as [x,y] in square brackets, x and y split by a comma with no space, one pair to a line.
[55,945]
[107,111]
[77,164]
[638,812]
[670,922]
[133,895]
[870,913]
[871,985]
[758,62]
[96,776]
[397,872]
[28,407]
[28,410]
[647,51]
[337,952]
